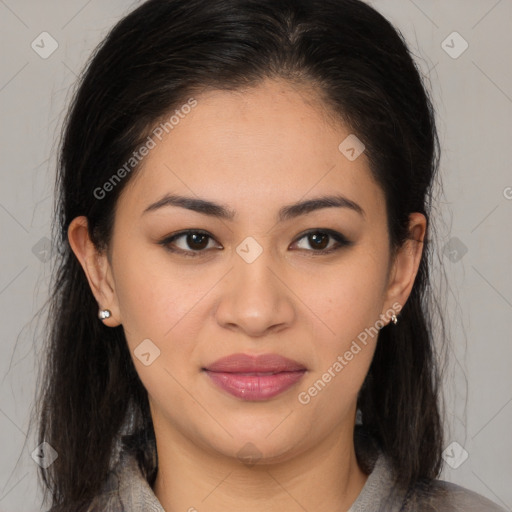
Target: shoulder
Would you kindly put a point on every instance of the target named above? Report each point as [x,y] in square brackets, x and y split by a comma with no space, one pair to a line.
[107,500]
[441,496]
[381,493]
[126,489]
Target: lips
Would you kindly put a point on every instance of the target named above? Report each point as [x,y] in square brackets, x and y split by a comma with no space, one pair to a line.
[255,377]
[264,363]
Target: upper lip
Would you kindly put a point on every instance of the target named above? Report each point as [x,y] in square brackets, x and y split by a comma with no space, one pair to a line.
[264,363]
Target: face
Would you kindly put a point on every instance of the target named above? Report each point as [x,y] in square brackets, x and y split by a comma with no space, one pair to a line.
[312,285]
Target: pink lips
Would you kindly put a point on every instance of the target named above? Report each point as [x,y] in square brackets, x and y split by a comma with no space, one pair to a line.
[255,377]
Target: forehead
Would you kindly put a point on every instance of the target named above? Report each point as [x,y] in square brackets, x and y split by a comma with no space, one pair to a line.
[268,145]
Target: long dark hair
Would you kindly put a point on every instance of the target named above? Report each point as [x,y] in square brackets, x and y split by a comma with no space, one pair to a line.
[150,63]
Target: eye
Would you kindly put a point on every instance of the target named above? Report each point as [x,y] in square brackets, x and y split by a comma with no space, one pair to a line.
[319,240]
[193,242]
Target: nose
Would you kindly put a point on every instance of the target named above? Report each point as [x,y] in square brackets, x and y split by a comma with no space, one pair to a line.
[255,297]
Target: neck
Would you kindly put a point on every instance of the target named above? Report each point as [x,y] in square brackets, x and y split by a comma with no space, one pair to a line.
[191,478]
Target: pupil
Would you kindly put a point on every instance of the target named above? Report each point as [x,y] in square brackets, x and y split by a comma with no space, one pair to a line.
[316,238]
[192,241]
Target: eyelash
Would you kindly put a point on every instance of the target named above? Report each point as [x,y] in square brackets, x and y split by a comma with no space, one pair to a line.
[338,237]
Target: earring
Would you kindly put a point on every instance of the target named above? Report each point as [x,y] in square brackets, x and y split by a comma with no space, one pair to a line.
[394,319]
[104,313]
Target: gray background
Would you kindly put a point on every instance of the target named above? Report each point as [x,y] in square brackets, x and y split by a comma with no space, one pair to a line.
[473,98]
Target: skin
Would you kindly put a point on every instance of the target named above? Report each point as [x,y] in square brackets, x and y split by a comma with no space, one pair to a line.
[253,151]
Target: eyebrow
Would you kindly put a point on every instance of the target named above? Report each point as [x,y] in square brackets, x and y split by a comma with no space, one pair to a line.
[285,213]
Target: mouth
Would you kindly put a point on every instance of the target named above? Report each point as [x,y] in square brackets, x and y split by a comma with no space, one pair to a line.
[255,378]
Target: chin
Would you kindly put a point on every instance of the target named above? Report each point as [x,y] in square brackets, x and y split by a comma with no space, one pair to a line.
[257,445]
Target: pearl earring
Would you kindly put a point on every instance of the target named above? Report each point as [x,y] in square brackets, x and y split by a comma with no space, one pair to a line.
[104,313]
[394,319]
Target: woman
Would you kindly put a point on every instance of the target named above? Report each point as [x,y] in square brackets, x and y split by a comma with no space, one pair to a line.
[241,311]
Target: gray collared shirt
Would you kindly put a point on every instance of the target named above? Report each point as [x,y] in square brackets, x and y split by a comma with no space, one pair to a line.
[126,490]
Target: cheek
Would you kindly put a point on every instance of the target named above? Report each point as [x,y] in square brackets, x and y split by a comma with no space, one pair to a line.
[349,303]
[350,306]
[153,302]
[349,299]
[159,319]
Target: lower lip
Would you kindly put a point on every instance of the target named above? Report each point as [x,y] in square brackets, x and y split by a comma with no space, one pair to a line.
[255,387]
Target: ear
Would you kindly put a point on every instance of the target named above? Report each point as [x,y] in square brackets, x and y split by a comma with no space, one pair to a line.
[406,263]
[96,267]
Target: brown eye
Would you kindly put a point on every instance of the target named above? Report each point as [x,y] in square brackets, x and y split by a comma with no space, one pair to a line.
[319,240]
[196,240]
[192,242]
